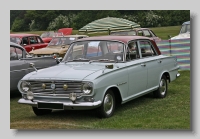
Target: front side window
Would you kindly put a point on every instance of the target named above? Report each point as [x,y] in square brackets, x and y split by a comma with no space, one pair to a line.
[100,51]
[146,49]
[25,41]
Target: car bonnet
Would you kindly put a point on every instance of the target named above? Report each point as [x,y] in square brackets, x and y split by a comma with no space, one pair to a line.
[64,72]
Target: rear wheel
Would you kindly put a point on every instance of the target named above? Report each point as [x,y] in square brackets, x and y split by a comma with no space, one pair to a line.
[108,106]
[161,92]
[40,112]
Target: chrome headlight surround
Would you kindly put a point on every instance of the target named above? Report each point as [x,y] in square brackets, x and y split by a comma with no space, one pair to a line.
[24,86]
[87,88]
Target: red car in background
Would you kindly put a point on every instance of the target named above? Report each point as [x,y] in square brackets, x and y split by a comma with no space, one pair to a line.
[28,41]
[47,36]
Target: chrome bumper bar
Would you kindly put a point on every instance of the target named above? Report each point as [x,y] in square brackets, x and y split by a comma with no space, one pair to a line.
[66,105]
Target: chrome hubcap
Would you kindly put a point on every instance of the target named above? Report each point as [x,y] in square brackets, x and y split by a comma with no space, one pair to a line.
[163,86]
[108,104]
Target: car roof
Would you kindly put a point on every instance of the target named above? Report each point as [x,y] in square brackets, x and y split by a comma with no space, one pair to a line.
[124,39]
[22,35]
[16,45]
[187,22]
[72,36]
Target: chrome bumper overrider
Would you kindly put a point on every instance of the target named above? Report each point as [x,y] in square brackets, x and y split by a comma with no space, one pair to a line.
[66,105]
[178,74]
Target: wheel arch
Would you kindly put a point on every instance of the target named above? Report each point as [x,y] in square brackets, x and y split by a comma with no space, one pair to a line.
[167,75]
[116,92]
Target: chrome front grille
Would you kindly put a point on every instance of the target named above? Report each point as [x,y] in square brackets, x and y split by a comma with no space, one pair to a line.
[72,86]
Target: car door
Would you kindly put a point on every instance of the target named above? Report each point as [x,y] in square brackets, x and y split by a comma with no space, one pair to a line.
[137,72]
[18,67]
[26,44]
[152,62]
[40,42]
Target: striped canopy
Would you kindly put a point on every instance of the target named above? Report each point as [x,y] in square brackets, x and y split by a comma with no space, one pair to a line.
[108,24]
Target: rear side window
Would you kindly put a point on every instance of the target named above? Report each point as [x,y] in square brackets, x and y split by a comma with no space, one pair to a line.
[146,33]
[147,49]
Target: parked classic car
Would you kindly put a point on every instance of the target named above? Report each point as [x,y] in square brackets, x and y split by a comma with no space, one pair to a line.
[98,73]
[28,41]
[184,31]
[47,36]
[57,47]
[19,64]
[139,32]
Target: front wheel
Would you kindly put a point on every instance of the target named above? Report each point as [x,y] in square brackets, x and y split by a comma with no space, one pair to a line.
[40,112]
[108,106]
[161,92]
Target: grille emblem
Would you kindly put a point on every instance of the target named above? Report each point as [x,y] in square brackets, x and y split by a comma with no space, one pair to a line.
[43,86]
[65,86]
[53,86]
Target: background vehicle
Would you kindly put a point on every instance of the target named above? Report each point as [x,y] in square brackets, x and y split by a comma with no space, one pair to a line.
[100,72]
[57,47]
[47,36]
[28,41]
[184,31]
[20,61]
[138,32]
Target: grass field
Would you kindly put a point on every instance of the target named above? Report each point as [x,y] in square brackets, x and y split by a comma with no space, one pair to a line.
[144,113]
[172,112]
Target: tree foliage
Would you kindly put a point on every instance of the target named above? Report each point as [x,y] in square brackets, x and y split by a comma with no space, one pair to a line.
[28,20]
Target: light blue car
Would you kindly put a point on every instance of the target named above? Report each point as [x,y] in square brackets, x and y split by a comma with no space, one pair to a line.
[99,73]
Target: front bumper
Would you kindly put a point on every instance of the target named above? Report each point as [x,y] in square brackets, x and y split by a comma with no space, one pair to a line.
[66,105]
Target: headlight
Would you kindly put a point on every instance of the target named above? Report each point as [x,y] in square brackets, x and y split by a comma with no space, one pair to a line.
[24,86]
[87,88]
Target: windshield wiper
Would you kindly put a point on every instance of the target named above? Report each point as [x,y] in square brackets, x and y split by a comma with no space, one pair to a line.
[81,59]
[101,60]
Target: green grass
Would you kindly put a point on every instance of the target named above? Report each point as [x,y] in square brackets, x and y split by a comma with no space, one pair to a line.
[161,32]
[144,113]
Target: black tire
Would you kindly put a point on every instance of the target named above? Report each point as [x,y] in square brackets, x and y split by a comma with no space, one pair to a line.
[162,90]
[107,107]
[40,112]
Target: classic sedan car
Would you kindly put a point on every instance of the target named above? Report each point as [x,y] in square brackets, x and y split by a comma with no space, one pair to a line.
[139,32]
[98,73]
[57,47]
[47,36]
[184,32]
[19,64]
[28,41]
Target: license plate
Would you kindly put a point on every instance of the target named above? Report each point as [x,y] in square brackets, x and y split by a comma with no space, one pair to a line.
[57,106]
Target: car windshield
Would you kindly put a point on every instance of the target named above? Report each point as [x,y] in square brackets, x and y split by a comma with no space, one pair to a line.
[126,33]
[185,28]
[15,40]
[58,41]
[50,34]
[95,51]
